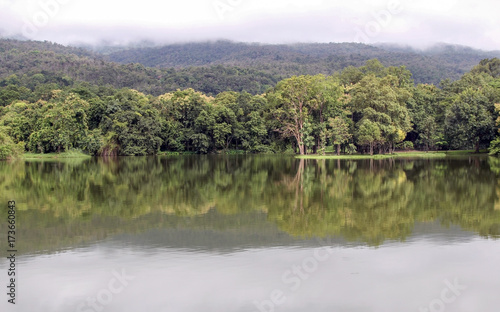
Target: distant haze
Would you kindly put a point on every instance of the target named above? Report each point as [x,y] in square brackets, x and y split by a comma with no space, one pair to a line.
[416,23]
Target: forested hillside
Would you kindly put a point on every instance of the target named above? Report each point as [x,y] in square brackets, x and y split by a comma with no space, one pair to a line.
[430,66]
[56,102]
[35,63]
[212,68]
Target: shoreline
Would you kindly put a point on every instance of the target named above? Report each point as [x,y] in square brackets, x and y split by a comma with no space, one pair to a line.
[64,155]
[410,154]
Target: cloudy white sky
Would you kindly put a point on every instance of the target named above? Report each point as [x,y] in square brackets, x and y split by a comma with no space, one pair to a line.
[415,22]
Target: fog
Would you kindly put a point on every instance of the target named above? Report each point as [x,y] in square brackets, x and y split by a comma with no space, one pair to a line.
[416,23]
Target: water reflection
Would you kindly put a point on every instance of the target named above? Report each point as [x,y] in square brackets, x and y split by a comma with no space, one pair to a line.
[263,200]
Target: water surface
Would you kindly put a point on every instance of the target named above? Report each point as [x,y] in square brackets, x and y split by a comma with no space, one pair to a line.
[254,233]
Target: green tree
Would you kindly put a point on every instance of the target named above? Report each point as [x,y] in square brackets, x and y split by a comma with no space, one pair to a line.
[429,136]
[257,133]
[179,111]
[8,148]
[494,148]
[325,103]
[427,115]
[62,126]
[131,125]
[369,133]
[470,120]
[339,132]
[293,97]
[230,113]
[490,67]
[383,103]
[302,105]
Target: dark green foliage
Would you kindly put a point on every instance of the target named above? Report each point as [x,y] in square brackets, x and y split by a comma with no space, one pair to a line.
[55,99]
[216,67]
[31,65]
[308,59]
[469,121]
[132,125]
[489,67]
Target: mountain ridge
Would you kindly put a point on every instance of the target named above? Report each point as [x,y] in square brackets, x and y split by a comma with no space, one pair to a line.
[217,66]
[428,66]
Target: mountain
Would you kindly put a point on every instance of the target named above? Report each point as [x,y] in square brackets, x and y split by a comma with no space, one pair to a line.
[428,66]
[33,63]
[214,67]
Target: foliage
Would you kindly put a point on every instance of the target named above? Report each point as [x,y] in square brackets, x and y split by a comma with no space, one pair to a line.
[284,61]
[383,118]
[47,107]
[214,67]
[495,144]
[301,106]
[469,121]
[406,146]
[8,149]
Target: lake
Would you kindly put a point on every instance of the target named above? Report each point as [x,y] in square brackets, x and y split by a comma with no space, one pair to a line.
[253,233]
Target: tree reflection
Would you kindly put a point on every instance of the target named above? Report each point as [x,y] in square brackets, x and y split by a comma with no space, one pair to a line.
[364,200]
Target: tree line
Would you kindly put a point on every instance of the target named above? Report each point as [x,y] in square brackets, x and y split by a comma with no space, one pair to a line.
[368,109]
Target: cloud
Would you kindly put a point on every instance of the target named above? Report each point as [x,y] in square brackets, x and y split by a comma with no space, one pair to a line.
[416,22]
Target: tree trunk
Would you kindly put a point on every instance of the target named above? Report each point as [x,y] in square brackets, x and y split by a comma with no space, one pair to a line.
[338,149]
[301,149]
[371,148]
[477,147]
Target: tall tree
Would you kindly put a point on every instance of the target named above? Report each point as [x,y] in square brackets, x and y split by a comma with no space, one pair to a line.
[293,98]
[470,120]
[382,102]
[339,132]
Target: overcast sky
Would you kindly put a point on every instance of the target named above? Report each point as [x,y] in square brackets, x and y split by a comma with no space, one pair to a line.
[414,22]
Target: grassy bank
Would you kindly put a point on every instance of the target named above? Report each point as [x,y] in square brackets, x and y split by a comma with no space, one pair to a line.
[70,154]
[412,154]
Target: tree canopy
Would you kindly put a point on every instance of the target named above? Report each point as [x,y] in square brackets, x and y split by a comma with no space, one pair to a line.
[371,109]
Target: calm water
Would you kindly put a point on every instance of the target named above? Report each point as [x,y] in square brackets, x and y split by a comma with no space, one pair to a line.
[212,234]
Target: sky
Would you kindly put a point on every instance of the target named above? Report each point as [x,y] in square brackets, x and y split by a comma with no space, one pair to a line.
[418,23]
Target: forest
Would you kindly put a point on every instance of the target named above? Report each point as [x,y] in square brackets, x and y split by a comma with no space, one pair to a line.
[281,60]
[215,67]
[57,99]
